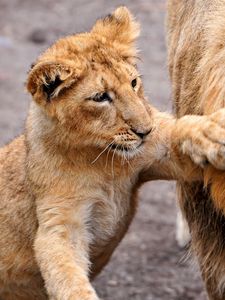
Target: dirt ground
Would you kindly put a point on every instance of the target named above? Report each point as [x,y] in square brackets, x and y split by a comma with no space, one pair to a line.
[148,265]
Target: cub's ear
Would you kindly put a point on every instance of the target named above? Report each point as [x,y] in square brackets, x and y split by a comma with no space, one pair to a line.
[47,80]
[120,28]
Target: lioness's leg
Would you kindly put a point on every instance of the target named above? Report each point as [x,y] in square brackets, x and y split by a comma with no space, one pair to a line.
[177,148]
[196,64]
[212,290]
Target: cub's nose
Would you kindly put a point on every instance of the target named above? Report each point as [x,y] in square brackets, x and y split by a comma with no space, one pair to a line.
[142,134]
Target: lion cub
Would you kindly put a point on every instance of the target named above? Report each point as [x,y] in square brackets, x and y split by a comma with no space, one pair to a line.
[68,186]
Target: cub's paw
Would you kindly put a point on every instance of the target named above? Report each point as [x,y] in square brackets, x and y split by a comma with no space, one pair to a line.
[203,138]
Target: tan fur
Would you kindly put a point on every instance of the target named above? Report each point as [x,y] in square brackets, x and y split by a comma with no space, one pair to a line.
[196,35]
[68,196]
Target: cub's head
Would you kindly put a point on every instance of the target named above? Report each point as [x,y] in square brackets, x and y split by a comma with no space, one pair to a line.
[88,86]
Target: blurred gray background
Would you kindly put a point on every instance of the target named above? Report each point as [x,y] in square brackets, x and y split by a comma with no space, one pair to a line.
[148,265]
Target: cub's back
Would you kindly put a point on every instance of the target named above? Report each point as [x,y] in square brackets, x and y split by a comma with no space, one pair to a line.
[17,217]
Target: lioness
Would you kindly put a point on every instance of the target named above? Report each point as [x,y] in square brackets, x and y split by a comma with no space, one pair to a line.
[196,41]
[69,185]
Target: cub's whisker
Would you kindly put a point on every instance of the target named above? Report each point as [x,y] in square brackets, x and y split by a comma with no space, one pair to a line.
[102,152]
[127,160]
[112,161]
[110,148]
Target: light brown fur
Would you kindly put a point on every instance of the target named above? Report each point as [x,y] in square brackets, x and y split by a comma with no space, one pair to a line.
[196,35]
[66,196]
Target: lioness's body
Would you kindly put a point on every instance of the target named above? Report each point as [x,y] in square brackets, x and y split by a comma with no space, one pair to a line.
[66,196]
[196,35]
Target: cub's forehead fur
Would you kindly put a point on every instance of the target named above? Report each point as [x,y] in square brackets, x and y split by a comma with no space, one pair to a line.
[111,43]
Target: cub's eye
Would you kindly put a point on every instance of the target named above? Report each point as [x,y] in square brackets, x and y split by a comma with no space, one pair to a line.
[134,83]
[102,97]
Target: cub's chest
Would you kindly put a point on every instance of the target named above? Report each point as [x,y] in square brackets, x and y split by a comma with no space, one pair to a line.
[112,214]
[111,219]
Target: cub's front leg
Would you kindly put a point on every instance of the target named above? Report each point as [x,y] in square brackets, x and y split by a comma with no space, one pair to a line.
[62,246]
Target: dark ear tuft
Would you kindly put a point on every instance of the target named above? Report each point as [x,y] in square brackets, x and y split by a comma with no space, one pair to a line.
[32,66]
[109,18]
[119,26]
[50,87]
[47,80]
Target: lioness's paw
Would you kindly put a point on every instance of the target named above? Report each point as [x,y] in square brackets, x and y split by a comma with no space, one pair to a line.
[203,138]
[183,236]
